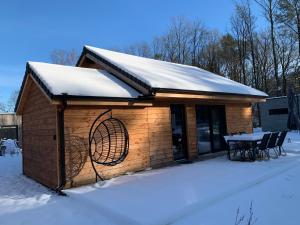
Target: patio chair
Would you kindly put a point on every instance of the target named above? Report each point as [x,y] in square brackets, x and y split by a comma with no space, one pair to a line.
[262,146]
[280,143]
[272,143]
[235,149]
[2,148]
[248,152]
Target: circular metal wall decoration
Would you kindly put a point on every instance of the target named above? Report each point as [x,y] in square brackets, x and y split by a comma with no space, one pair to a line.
[108,142]
[76,156]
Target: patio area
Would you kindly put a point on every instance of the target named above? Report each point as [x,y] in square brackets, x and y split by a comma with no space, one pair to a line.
[186,194]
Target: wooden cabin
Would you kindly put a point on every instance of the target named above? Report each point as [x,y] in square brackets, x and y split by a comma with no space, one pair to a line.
[172,112]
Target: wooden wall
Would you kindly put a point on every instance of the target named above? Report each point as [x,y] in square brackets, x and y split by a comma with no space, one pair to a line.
[160,136]
[78,122]
[40,159]
[191,131]
[149,128]
[239,118]
[150,136]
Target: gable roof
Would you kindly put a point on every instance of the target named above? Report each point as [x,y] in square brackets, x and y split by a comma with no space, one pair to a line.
[82,82]
[68,82]
[165,76]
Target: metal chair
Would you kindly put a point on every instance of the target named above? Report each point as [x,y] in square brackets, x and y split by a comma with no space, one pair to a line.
[249,152]
[280,143]
[272,143]
[262,146]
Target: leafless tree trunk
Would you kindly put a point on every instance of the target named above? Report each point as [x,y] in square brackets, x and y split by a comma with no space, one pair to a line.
[270,8]
[264,62]
[286,56]
[289,15]
[240,33]
[198,35]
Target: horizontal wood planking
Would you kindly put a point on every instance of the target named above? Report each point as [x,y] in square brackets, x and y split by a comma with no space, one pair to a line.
[160,136]
[40,159]
[191,130]
[239,118]
[78,123]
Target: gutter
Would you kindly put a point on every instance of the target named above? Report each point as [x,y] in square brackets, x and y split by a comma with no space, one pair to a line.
[61,128]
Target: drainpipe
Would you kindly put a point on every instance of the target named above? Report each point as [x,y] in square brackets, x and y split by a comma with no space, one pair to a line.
[61,127]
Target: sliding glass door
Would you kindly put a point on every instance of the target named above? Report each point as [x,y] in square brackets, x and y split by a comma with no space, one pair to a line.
[211,127]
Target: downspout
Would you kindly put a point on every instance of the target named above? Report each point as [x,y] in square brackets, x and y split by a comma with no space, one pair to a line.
[61,128]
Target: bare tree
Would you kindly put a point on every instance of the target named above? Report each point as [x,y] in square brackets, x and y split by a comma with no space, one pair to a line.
[229,57]
[270,10]
[9,106]
[287,57]
[249,20]
[139,49]
[64,57]
[264,61]
[210,59]
[2,107]
[179,29]
[197,41]
[12,100]
[289,15]
[240,33]
[158,48]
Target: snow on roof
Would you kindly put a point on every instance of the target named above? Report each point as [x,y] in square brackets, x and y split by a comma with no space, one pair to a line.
[81,81]
[161,74]
[280,97]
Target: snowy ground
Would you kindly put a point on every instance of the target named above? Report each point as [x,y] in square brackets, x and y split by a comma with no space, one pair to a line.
[206,192]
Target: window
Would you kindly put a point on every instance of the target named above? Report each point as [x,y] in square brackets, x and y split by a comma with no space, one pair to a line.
[279,111]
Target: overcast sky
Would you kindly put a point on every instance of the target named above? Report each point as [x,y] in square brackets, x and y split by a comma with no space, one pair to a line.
[30,30]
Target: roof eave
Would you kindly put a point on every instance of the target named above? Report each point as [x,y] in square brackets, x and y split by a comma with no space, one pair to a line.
[182,91]
[191,94]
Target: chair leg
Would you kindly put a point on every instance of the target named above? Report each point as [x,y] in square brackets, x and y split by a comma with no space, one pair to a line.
[267,153]
[276,155]
[283,152]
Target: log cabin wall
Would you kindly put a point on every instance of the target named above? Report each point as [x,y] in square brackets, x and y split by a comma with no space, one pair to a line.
[40,158]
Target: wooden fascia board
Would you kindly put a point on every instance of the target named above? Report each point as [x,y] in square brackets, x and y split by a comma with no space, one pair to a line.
[41,89]
[107,103]
[160,95]
[23,93]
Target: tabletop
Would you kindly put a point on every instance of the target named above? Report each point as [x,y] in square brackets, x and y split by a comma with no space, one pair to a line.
[245,137]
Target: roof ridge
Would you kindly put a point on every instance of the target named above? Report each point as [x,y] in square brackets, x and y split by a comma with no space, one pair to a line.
[147,58]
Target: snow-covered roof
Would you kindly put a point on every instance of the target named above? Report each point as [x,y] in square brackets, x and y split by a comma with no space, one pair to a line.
[165,75]
[78,81]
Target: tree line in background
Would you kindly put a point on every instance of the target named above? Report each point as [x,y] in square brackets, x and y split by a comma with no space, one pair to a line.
[9,106]
[265,58]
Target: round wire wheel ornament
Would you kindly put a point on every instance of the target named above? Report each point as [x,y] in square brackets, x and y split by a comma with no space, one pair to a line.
[76,156]
[108,142]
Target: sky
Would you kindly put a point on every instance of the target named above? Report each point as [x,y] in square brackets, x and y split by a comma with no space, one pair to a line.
[30,30]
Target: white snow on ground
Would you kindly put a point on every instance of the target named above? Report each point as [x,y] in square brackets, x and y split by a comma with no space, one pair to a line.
[205,192]
[81,81]
[161,74]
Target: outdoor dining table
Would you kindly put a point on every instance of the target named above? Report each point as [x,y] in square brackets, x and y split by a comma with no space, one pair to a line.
[252,139]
